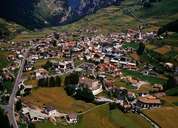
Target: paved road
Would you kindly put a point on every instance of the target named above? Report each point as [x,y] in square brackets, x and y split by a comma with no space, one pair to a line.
[10,106]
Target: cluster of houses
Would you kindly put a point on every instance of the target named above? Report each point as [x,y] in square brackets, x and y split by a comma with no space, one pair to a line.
[36,114]
[129,101]
[103,55]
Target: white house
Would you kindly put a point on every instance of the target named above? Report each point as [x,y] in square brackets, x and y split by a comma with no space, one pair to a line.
[72,118]
[41,73]
[34,115]
[93,85]
[51,112]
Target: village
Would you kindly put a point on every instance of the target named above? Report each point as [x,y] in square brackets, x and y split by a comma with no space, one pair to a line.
[97,69]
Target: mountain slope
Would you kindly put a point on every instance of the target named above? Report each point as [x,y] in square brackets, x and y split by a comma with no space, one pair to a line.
[40,13]
[9,29]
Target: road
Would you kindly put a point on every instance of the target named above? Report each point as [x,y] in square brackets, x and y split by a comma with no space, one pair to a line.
[10,107]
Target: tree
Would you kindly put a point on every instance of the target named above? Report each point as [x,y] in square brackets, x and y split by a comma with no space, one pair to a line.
[58,81]
[31,125]
[141,48]
[85,94]
[73,78]
[40,82]
[170,27]
[18,105]
[70,89]
[171,83]
[112,106]
[4,120]
[43,82]
[48,65]
[52,82]
[147,4]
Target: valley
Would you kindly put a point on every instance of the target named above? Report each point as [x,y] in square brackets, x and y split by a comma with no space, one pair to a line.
[91,64]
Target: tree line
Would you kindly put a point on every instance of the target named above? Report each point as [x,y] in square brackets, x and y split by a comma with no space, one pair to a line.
[50,82]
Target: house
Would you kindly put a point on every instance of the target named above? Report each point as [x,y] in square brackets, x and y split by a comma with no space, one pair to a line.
[41,73]
[72,118]
[128,65]
[25,89]
[64,66]
[131,96]
[93,85]
[33,115]
[148,101]
[109,84]
[7,75]
[50,111]
[158,88]
[11,57]
[124,105]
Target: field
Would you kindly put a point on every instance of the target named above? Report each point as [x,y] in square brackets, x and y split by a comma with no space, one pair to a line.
[140,76]
[3,59]
[144,88]
[104,118]
[131,45]
[119,83]
[169,100]
[166,117]
[32,82]
[135,56]
[163,50]
[56,97]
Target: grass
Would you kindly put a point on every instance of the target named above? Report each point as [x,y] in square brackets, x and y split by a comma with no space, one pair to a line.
[3,59]
[172,92]
[102,117]
[8,85]
[110,19]
[166,117]
[56,97]
[131,45]
[32,82]
[135,56]
[163,50]
[169,100]
[47,124]
[119,83]
[150,46]
[113,19]
[40,63]
[144,88]
[161,12]
[170,40]
[140,76]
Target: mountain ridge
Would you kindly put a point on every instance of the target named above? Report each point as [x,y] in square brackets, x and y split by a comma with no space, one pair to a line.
[42,13]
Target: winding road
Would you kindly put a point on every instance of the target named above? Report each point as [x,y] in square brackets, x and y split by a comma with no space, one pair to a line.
[10,107]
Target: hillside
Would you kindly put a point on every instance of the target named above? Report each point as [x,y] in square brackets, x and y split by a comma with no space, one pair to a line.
[9,29]
[116,18]
[40,13]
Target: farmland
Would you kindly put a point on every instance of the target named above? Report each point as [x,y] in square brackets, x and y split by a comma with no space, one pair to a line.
[166,117]
[56,97]
[102,117]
